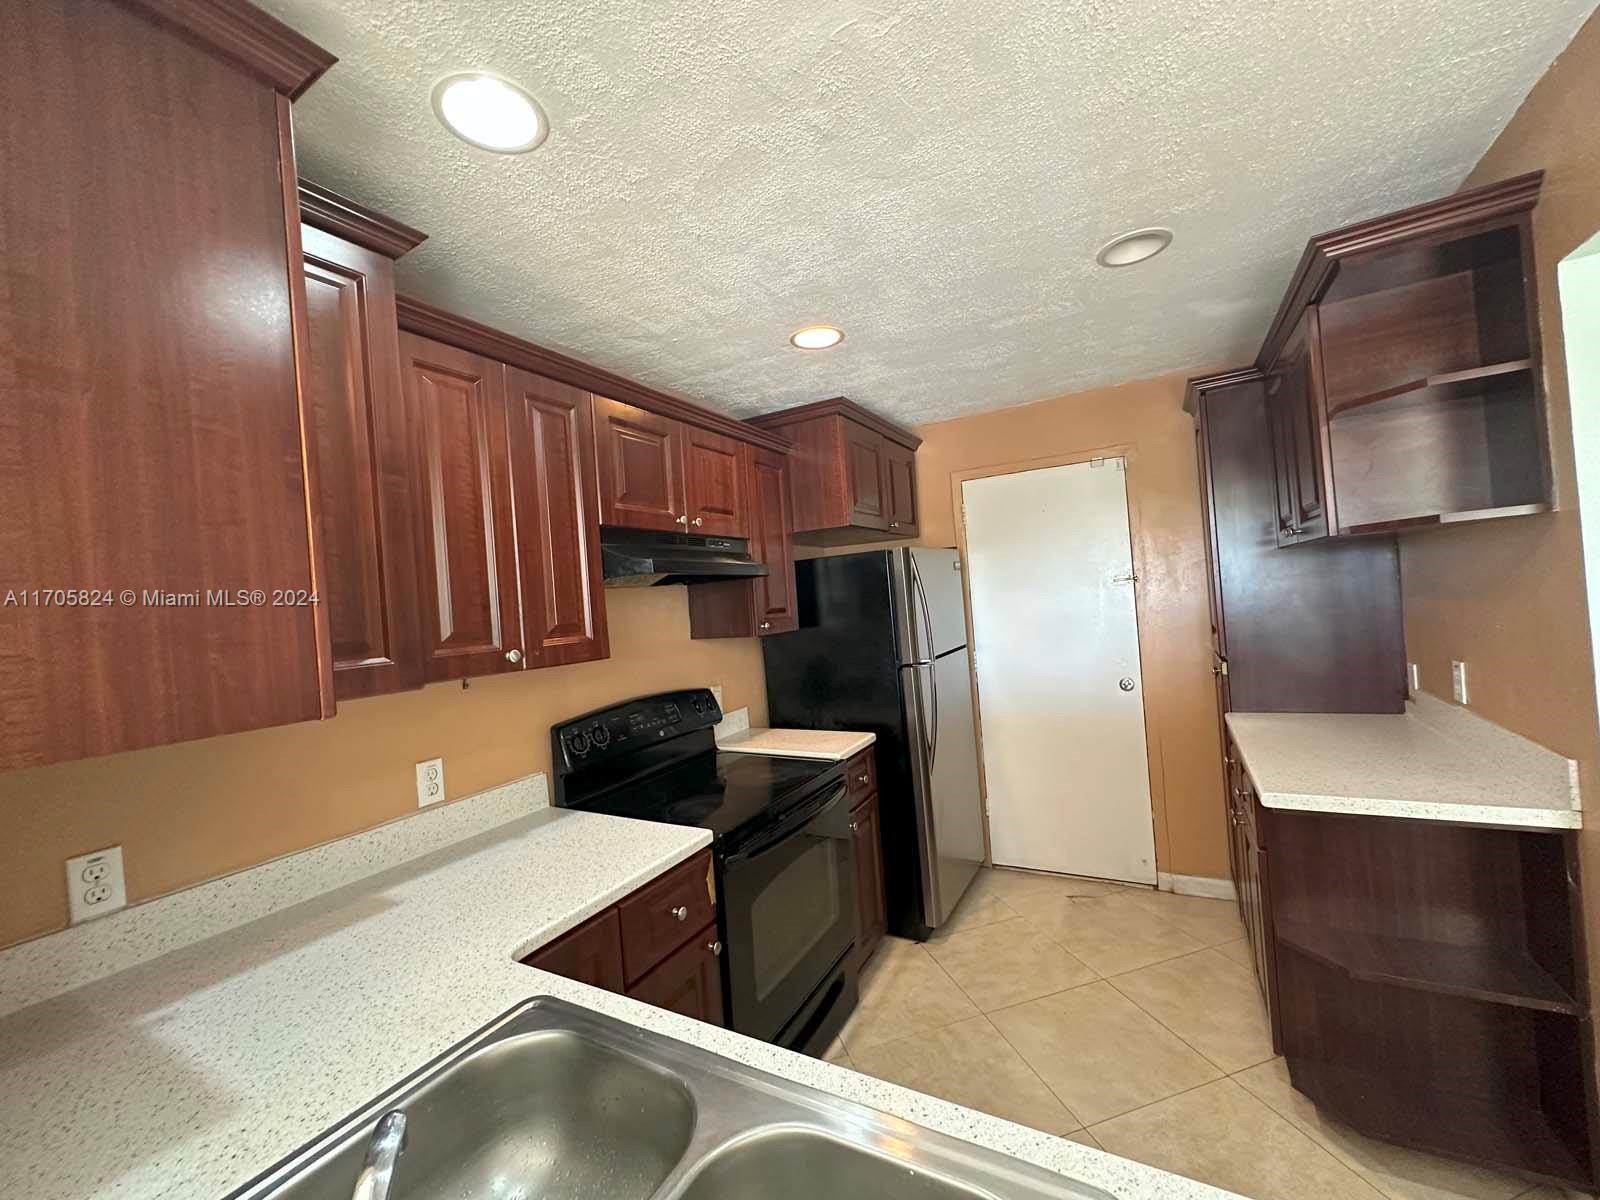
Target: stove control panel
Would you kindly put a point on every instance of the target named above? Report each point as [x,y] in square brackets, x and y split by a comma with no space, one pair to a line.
[627,729]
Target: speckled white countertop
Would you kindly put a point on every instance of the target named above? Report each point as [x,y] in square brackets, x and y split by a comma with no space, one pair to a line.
[1436,762]
[187,1075]
[826,744]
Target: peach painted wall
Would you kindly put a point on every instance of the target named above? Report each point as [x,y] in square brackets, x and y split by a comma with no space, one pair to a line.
[1174,624]
[193,811]
[1508,597]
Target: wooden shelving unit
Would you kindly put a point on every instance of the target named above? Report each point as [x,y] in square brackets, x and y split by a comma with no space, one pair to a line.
[1443,387]
[1489,973]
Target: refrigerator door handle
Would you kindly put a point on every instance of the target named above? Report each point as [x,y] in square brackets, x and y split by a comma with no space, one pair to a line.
[933,675]
[922,794]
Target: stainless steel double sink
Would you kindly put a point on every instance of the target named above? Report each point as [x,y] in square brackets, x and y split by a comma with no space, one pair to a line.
[555,1102]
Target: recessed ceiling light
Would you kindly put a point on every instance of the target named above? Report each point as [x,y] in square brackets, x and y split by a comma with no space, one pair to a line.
[490,112]
[1133,247]
[816,337]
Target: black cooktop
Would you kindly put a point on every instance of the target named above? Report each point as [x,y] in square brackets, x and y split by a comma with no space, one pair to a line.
[724,793]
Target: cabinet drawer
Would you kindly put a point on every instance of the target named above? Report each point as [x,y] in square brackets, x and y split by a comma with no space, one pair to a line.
[661,916]
[861,772]
[591,953]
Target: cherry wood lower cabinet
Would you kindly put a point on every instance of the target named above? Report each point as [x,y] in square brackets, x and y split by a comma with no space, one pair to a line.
[363,445]
[866,842]
[659,945]
[766,604]
[151,419]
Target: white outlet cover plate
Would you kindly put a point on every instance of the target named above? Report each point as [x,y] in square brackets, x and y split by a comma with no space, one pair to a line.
[95,884]
[430,782]
[1458,682]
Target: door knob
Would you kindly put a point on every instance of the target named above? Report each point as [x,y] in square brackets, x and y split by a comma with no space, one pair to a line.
[513,657]
[1125,683]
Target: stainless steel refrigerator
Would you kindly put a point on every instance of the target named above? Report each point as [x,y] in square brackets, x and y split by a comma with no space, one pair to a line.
[882,647]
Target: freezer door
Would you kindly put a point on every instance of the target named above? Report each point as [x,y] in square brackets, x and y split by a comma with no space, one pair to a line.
[944,753]
[939,573]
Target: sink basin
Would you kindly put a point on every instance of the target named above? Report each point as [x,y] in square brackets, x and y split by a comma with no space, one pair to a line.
[802,1164]
[555,1102]
[549,1114]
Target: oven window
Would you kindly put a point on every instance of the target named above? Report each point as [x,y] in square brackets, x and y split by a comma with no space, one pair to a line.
[795,909]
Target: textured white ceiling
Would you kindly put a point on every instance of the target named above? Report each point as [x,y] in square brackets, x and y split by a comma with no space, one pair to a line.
[933,177]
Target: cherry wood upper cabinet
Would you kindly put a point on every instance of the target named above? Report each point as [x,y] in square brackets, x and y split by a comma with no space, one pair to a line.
[900,488]
[714,472]
[363,448]
[640,458]
[154,470]
[457,409]
[1296,410]
[853,474]
[765,604]
[558,520]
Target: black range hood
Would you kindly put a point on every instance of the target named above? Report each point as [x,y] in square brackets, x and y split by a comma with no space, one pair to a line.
[644,558]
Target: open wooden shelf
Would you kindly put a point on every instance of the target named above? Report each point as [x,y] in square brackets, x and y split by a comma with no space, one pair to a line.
[1461,1126]
[1488,973]
[1400,524]
[1446,385]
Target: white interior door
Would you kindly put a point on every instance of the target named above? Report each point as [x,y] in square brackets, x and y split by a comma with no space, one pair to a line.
[1056,641]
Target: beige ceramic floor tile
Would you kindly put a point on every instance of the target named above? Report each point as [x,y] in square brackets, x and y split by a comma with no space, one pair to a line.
[836,1053]
[1084,1137]
[1024,889]
[1008,963]
[1222,1135]
[1240,952]
[1398,1173]
[1553,1193]
[970,1063]
[1099,1052]
[1110,934]
[903,991]
[976,910]
[1210,921]
[1210,1002]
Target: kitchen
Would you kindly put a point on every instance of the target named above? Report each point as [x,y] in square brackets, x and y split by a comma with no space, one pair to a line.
[274,870]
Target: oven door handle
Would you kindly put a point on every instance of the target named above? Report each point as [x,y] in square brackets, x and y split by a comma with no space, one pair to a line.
[774,837]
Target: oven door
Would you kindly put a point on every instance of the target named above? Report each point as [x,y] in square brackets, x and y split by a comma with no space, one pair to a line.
[789,908]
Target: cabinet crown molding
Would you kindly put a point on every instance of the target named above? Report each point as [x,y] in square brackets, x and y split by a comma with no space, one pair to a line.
[1201,384]
[428,321]
[1448,216]
[324,209]
[238,31]
[840,406]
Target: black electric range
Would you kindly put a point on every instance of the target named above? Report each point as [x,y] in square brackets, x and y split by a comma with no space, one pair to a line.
[781,844]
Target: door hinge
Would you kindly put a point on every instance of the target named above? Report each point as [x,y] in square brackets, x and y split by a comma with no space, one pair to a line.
[1127,577]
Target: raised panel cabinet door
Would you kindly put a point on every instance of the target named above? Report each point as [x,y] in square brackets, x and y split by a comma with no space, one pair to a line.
[558,520]
[591,953]
[1294,390]
[714,483]
[457,401]
[771,542]
[150,419]
[640,467]
[688,981]
[872,916]
[900,488]
[363,467]
[864,476]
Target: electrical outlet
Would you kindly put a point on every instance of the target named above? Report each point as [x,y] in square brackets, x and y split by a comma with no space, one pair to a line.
[716,693]
[95,885]
[1458,681]
[430,782]
[1413,678]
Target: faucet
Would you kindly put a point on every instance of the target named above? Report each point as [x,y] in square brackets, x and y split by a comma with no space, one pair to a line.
[384,1148]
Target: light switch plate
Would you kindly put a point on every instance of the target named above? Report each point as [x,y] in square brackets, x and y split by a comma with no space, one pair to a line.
[1413,678]
[95,885]
[716,694]
[1458,681]
[430,782]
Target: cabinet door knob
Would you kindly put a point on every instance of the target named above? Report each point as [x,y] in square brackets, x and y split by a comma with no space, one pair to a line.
[766,624]
[513,656]
[681,912]
[894,524]
[698,521]
[863,778]
[854,825]
[683,520]
[714,947]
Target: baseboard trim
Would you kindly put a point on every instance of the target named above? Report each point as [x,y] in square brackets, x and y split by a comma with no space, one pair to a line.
[1196,885]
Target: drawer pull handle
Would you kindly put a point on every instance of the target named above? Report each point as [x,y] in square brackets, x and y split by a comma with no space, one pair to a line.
[863,778]
[681,912]
[715,948]
[513,656]
[854,825]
